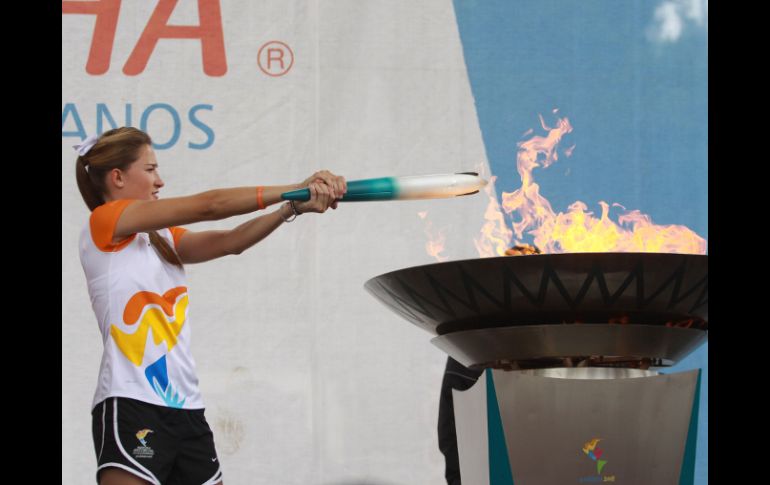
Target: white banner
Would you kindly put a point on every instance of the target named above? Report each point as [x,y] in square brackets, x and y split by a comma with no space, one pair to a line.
[306,377]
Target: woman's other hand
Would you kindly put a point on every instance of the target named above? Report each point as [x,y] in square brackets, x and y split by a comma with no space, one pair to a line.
[336,183]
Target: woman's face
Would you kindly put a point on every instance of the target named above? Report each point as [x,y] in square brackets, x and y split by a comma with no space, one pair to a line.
[141,181]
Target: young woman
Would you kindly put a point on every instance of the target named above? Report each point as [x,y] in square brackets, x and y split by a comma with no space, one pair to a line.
[148,414]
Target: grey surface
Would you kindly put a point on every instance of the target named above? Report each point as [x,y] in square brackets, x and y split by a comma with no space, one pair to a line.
[485,346]
[470,407]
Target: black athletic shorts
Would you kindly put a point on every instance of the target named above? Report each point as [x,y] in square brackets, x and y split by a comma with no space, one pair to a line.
[156,443]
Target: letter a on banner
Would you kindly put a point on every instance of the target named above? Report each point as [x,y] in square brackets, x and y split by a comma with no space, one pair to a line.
[209,32]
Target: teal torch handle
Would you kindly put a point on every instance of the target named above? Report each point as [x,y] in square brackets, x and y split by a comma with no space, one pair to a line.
[383,188]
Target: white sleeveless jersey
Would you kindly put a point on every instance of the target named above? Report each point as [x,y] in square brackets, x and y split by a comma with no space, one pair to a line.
[140,302]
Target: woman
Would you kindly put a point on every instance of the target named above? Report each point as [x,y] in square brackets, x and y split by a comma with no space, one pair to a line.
[148,415]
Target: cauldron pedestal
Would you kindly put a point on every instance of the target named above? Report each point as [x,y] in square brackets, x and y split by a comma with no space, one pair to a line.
[536,427]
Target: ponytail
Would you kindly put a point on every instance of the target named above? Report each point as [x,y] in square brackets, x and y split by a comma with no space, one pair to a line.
[164,249]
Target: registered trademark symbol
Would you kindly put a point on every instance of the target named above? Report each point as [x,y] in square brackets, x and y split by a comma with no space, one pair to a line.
[275,58]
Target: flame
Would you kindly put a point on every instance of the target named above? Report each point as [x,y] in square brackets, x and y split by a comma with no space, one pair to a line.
[533,209]
[578,230]
[495,236]
[436,239]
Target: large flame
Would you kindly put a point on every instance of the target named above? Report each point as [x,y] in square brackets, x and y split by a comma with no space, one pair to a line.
[577,230]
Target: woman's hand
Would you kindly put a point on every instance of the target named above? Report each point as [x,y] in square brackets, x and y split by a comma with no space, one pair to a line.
[335,183]
[321,198]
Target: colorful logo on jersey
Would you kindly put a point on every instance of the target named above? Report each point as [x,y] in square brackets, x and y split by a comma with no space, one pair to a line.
[173,305]
[595,453]
[165,316]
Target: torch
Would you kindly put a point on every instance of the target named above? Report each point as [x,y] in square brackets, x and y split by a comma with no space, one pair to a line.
[404,188]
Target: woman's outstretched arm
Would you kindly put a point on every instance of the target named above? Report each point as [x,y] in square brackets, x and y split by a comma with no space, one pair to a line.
[199,247]
[212,205]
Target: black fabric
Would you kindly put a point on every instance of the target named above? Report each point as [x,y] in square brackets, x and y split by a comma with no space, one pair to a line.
[456,376]
[178,448]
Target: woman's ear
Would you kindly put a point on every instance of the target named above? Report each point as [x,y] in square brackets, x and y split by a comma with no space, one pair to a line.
[116,178]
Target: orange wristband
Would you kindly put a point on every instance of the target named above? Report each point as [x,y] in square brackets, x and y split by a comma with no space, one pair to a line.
[260,202]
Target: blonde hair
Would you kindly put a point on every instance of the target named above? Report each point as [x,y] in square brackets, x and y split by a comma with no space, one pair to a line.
[117,148]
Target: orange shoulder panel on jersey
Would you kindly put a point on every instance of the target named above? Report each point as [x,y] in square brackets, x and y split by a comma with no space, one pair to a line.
[103,221]
[177,232]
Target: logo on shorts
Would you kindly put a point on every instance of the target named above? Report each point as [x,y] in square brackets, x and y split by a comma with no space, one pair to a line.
[143,451]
